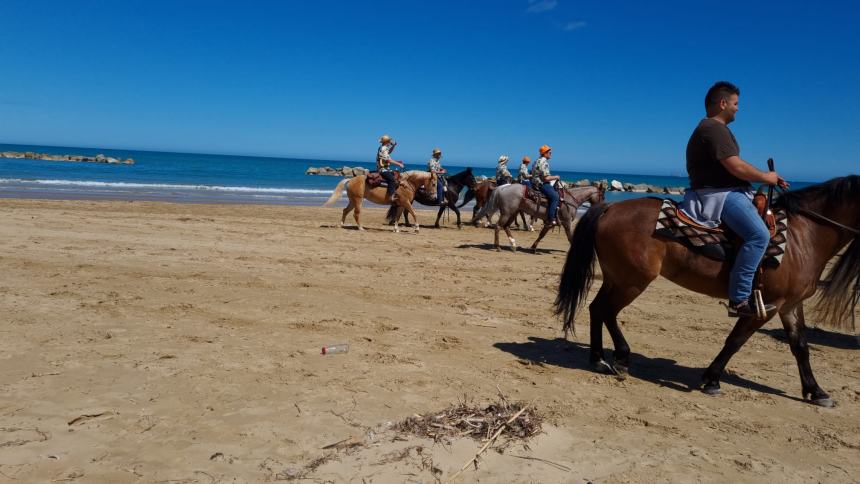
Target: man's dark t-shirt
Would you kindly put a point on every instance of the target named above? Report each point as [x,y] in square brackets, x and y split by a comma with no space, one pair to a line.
[711,142]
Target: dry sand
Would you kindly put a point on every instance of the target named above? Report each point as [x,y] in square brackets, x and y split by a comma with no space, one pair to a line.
[151,342]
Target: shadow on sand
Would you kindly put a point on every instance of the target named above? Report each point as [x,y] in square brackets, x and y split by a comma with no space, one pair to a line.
[661,371]
[506,248]
[820,337]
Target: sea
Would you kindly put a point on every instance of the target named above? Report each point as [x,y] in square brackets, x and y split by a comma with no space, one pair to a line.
[211,178]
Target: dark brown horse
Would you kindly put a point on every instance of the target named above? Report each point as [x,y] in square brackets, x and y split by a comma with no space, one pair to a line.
[456,183]
[822,219]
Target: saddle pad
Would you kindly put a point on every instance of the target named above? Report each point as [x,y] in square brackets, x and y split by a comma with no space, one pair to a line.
[717,245]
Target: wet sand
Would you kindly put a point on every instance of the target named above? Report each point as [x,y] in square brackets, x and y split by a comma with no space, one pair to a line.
[156,342]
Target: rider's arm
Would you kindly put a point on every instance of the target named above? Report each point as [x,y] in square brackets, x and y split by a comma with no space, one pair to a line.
[745,171]
[400,164]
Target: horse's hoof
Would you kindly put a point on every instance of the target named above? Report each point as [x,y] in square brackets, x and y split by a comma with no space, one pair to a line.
[823,400]
[602,367]
[712,389]
[621,371]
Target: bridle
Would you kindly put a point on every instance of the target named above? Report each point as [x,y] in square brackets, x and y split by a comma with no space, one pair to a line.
[830,221]
[822,218]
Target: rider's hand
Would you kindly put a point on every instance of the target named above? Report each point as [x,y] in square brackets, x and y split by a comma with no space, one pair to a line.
[782,183]
[771,178]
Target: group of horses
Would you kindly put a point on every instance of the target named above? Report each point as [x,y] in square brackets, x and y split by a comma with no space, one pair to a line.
[823,221]
[420,186]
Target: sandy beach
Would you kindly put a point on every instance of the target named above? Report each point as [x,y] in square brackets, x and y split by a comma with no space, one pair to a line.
[157,342]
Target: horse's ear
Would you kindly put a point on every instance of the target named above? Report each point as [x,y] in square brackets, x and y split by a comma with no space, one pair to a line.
[469,169]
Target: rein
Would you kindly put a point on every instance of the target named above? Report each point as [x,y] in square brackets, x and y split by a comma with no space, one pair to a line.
[832,222]
[822,218]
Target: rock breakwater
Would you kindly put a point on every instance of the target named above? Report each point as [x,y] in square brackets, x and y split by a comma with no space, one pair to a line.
[100,158]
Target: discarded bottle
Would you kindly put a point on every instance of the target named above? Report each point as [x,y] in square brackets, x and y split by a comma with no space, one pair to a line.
[335,349]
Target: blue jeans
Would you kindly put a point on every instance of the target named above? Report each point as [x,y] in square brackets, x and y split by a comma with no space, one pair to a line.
[440,191]
[740,215]
[389,179]
[527,183]
[552,195]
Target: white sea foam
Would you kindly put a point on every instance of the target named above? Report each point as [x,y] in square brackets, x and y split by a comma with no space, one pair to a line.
[163,186]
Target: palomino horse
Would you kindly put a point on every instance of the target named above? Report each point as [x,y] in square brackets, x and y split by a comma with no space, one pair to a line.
[481,194]
[456,183]
[822,219]
[509,200]
[356,190]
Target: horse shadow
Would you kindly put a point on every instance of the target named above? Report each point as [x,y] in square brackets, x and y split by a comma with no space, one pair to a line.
[660,371]
[820,337]
[491,247]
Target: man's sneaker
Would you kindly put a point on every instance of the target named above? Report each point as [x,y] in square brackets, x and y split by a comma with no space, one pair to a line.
[746,310]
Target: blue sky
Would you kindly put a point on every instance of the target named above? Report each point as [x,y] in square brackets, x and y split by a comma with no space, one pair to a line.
[613,86]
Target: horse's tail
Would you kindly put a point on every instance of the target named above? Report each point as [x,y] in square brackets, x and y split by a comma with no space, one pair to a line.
[470,194]
[489,208]
[338,191]
[578,272]
[838,298]
[391,215]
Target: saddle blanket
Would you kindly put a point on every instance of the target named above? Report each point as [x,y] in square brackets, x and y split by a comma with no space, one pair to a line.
[715,243]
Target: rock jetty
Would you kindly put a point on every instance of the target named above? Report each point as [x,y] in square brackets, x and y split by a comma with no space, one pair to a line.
[342,171]
[100,158]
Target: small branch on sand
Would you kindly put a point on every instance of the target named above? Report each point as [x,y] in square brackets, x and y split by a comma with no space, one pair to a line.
[474,460]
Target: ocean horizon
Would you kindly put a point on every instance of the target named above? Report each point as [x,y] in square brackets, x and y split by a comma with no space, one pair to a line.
[214,178]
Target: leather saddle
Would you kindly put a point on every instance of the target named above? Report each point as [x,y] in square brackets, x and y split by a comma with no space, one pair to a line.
[718,243]
[374,179]
[538,197]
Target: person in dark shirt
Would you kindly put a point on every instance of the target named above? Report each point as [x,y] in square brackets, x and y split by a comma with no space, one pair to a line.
[720,190]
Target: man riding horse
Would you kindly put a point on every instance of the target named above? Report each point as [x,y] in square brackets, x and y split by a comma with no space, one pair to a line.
[542,179]
[383,165]
[433,166]
[524,177]
[720,191]
[503,175]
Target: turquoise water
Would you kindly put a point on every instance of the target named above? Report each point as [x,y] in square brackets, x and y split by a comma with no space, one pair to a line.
[190,177]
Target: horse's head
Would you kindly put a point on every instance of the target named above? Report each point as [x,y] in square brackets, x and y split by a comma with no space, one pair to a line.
[430,183]
[470,178]
[599,195]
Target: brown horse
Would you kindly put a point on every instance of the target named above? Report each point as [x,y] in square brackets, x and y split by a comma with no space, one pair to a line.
[357,190]
[510,200]
[822,219]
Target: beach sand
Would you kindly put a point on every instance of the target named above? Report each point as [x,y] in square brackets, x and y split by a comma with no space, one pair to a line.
[155,342]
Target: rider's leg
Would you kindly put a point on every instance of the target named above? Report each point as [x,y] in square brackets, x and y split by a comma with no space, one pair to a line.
[740,215]
[551,195]
[392,186]
[440,192]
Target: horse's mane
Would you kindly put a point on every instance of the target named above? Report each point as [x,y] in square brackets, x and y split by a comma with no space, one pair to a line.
[834,304]
[833,190]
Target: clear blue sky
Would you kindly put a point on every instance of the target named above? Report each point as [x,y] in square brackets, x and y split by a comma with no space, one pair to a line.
[613,86]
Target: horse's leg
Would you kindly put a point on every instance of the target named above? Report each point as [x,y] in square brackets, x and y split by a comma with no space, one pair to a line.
[349,207]
[543,231]
[408,207]
[357,213]
[595,311]
[439,216]
[502,223]
[796,332]
[743,329]
[457,211]
[507,227]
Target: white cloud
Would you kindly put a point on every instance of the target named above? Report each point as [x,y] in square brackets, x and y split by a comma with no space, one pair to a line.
[537,6]
[574,25]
